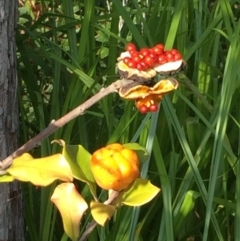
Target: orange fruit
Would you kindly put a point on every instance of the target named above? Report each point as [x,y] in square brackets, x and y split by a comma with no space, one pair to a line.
[114,167]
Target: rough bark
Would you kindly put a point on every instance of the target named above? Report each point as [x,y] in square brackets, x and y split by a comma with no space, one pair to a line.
[11,220]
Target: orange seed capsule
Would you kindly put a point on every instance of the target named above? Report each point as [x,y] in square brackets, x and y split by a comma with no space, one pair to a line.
[114,167]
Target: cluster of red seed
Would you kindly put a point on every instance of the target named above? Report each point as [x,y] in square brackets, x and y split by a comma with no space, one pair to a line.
[152,108]
[149,57]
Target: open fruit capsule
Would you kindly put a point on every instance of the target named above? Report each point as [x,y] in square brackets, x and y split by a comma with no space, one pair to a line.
[147,98]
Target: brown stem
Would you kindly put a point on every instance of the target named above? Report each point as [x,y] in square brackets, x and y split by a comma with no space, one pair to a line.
[54,125]
[90,227]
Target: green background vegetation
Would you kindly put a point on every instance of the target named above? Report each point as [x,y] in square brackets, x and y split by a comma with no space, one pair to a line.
[67,51]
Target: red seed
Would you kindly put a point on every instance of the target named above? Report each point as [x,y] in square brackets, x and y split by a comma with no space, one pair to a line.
[148,60]
[133,52]
[139,66]
[169,56]
[144,52]
[153,108]
[154,56]
[174,51]
[162,59]
[151,51]
[126,60]
[143,109]
[132,64]
[177,56]
[157,50]
[130,46]
[161,46]
[136,58]
[144,65]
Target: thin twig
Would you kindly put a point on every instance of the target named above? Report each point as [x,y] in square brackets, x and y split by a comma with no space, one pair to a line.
[55,125]
[90,227]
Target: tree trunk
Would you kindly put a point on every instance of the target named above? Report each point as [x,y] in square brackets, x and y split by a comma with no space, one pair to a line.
[11,218]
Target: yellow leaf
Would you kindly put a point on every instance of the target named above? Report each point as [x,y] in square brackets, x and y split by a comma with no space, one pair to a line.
[141,192]
[42,171]
[6,178]
[101,212]
[71,206]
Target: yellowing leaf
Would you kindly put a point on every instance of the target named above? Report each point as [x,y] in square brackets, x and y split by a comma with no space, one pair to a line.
[101,212]
[42,171]
[6,178]
[141,192]
[71,206]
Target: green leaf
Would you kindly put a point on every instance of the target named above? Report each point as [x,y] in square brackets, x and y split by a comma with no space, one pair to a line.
[103,52]
[193,124]
[141,192]
[186,209]
[140,151]
[101,212]
[6,178]
[102,37]
[79,160]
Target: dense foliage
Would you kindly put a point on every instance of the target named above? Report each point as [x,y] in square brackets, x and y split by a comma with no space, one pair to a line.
[67,51]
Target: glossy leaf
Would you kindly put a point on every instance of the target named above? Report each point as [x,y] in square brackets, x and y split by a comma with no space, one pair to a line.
[79,160]
[71,205]
[101,212]
[41,171]
[141,151]
[141,192]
